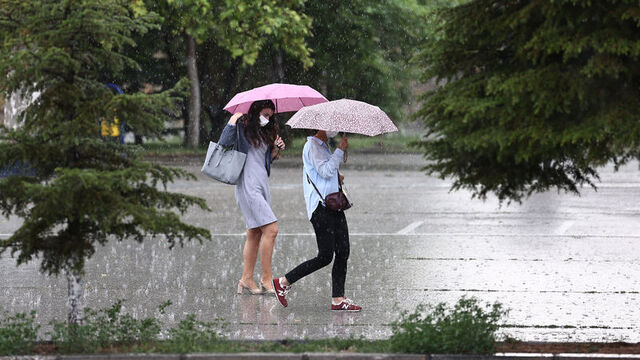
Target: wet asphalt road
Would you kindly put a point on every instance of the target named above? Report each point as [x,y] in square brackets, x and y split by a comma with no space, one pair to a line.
[567,267]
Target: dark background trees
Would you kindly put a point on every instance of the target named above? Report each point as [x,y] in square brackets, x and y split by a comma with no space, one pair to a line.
[360,49]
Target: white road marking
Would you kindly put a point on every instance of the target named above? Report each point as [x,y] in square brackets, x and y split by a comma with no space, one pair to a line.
[569,355]
[410,228]
[564,227]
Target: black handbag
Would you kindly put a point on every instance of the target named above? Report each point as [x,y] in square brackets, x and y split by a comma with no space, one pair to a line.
[335,201]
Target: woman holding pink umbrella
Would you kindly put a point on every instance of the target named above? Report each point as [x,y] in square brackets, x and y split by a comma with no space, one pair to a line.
[258,138]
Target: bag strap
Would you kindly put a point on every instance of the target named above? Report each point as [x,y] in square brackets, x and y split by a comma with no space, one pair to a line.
[314,186]
[318,191]
[235,145]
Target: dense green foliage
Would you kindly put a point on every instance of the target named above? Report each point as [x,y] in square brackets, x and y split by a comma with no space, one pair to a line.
[18,333]
[359,49]
[242,27]
[84,191]
[104,328]
[362,50]
[534,94]
[238,30]
[467,328]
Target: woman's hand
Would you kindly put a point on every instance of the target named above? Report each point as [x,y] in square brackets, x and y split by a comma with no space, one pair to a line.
[344,143]
[234,118]
[278,146]
[340,178]
[279,143]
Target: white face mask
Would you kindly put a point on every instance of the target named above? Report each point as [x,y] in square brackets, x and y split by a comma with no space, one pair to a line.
[331,134]
[263,121]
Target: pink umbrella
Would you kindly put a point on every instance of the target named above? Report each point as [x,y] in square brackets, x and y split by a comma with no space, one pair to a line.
[287,97]
[344,115]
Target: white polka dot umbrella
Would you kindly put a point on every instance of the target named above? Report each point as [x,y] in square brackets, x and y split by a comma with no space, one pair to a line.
[344,115]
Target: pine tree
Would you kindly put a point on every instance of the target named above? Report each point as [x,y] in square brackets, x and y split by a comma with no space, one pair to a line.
[81,191]
[534,94]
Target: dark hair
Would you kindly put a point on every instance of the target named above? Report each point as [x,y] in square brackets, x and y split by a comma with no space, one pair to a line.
[253,131]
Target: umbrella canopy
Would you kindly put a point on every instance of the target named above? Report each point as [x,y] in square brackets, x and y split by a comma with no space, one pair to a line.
[287,97]
[343,115]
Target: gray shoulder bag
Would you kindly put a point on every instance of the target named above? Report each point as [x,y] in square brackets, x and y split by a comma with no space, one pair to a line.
[224,164]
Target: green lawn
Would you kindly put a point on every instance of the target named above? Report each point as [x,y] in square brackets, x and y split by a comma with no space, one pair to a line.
[392,143]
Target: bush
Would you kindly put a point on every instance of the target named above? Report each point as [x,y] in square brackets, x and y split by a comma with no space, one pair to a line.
[192,335]
[103,329]
[468,328]
[18,333]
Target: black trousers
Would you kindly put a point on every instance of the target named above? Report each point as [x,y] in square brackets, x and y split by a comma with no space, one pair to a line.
[332,235]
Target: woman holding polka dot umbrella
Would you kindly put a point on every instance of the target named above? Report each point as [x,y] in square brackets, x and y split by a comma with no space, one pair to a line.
[322,178]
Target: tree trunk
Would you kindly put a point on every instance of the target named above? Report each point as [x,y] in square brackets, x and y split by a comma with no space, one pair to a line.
[75,292]
[193,126]
[323,84]
[278,68]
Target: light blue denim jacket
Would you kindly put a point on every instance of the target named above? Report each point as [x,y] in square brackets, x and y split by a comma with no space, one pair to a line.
[322,167]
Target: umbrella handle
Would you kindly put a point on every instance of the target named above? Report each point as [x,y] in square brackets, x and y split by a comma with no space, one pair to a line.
[344,157]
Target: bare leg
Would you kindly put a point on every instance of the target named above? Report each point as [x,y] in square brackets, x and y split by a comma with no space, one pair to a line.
[250,256]
[269,233]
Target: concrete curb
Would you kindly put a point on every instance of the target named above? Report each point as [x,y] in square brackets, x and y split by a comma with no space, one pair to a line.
[227,356]
[326,356]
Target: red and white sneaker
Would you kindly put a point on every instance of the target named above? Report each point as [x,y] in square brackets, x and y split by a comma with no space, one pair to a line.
[345,305]
[281,291]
